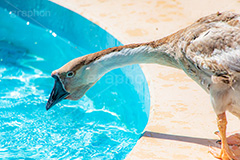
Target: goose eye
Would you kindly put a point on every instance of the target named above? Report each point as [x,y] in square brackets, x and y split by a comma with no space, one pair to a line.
[70,74]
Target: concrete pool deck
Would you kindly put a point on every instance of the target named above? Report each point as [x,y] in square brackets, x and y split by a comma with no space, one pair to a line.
[182,121]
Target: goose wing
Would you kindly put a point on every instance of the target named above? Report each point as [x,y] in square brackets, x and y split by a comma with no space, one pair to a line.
[212,44]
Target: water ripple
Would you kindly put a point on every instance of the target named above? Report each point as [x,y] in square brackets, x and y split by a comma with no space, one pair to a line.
[72,130]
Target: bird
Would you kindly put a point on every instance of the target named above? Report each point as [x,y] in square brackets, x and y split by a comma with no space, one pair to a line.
[208,51]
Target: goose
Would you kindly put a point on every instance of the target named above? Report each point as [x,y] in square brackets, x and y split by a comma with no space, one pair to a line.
[208,51]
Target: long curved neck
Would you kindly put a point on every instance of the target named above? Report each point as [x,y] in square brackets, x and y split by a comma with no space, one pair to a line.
[117,57]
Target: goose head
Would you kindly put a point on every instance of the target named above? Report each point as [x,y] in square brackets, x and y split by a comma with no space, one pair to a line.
[74,78]
[72,81]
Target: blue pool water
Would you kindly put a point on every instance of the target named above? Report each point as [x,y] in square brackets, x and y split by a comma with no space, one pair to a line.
[105,124]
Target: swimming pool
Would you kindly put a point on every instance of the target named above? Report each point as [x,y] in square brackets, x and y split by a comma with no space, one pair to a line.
[104,124]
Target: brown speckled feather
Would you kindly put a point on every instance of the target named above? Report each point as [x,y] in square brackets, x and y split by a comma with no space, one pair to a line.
[210,46]
[210,42]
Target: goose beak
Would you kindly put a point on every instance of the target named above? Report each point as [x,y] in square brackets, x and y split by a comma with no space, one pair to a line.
[58,93]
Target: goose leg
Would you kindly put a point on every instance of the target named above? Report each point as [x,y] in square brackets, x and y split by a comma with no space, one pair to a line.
[226,153]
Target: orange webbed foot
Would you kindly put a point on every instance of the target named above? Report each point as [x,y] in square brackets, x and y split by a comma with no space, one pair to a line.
[233,141]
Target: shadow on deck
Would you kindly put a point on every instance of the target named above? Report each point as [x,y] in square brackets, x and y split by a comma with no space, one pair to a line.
[201,141]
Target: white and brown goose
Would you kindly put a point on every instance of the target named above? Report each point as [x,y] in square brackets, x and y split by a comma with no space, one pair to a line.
[208,51]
